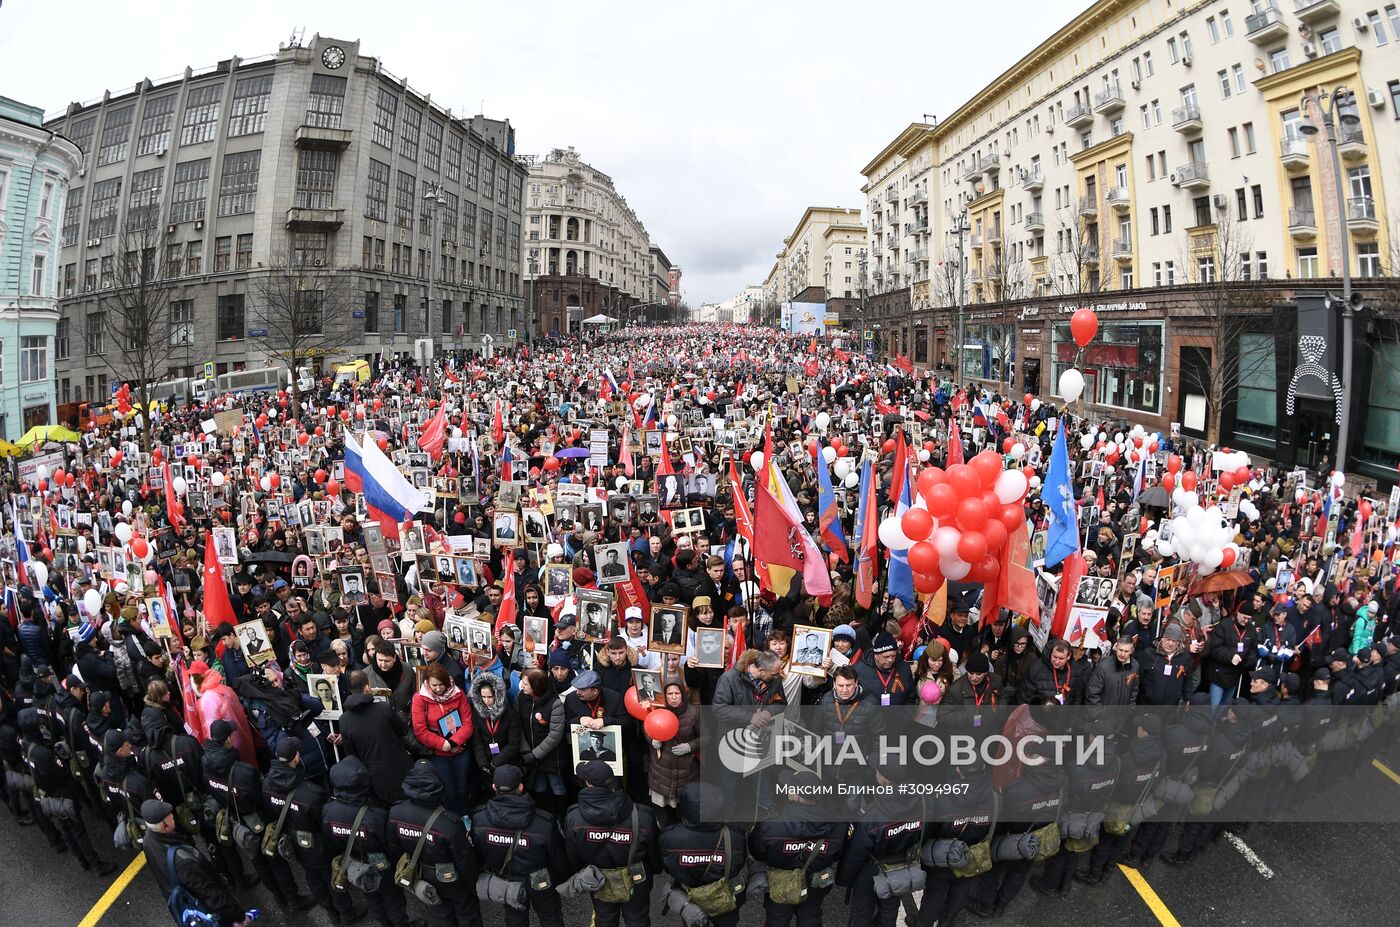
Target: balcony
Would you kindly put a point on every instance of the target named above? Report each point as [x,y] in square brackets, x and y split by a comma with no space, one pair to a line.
[1193,175]
[994,235]
[1312,11]
[975,240]
[891,195]
[1109,100]
[974,170]
[921,226]
[974,276]
[1295,154]
[1302,224]
[1122,249]
[303,219]
[917,197]
[990,164]
[321,138]
[1266,26]
[1078,115]
[1118,199]
[1351,142]
[993,272]
[1035,223]
[1361,216]
[1033,182]
[1187,120]
[1089,257]
[918,254]
[1089,206]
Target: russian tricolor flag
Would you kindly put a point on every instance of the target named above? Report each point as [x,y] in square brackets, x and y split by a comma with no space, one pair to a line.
[389,497]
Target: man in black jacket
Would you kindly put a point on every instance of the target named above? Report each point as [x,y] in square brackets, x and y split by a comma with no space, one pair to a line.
[445,861]
[1230,656]
[374,732]
[601,831]
[1164,670]
[799,839]
[195,875]
[886,679]
[694,850]
[880,839]
[288,797]
[352,808]
[519,842]
[57,811]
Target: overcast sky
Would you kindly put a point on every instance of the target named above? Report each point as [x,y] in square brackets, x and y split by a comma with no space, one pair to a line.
[720,124]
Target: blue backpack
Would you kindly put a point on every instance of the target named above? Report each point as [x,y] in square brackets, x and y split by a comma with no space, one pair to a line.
[185,908]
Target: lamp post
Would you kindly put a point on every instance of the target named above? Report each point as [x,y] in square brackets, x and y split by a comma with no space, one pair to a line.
[534,268]
[434,201]
[864,263]
[961,229]
[1338,105]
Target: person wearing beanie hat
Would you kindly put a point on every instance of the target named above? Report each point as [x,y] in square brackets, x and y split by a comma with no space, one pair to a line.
[296,805]
[165,845]
[1164,670]
[435,651]
[1230,655]
[978,686]
[886,679]
[583,577]
[532,843]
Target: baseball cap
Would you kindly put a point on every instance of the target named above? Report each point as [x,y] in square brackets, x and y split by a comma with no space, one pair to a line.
[633,613]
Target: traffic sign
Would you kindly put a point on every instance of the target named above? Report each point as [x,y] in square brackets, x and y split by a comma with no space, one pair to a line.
[487,339]
[208,370]
[511,334]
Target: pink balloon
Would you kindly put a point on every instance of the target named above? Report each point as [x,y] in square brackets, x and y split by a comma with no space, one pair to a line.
[930,692]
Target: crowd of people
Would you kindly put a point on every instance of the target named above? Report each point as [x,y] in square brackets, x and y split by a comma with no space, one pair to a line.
[236,644]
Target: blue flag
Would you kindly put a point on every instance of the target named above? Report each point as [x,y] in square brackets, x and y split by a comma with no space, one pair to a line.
[1057,492]
[900,583]
[832,534]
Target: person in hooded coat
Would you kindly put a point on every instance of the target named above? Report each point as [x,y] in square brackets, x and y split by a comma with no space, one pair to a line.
[543,748]
[191,869]
[376,733]
[218,702]
[446,860]
[61,821]
[124,786]
[352,809]
[495,726]
[599,830]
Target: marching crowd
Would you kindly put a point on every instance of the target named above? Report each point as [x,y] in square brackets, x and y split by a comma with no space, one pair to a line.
[233,645]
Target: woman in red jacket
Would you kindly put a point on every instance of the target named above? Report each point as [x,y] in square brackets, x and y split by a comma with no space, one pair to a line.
[442,721]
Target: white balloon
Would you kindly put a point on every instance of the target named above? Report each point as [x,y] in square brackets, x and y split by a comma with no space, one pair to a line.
[1338,478]
[271,413]
[1071,385]
[923,456]
[954,568]
[92,600]
[892,534]
[828,453]
[179,485]
[1018,450]
[1214,557]
[1035,482]
[620,482]
[1164,548]
[852,480]
[1118,439]
[842,467]
[946,540]
[1011,486]
[1086,441]
[823,419]
[671,421]
[1035,405]
[82,545]
[123,532]
[40,572]
[265,483]
[41,472]
[126,506]
[216,478]
[756,461]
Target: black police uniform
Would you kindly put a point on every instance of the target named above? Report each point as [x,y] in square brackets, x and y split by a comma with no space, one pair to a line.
[598,831]
[1184,746]
[446,860]
[302,827]
[196,874]
[351,791]
[56,806]
[510,826]
[1027,804]
[1091,786]
[800,839]
[966,816]
[693,850]
[880,839]
[1140,761]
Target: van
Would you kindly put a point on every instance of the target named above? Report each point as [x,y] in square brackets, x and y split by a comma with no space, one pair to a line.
[357,371]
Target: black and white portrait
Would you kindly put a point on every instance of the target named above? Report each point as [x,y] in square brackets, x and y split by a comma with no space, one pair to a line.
[648,684]
[595,613]
[558,581]
[709,648]
[668,488]
[478,636]
[1094,592]
[591,517]
[809,649]
[604,744]
[225,546]
[537,632]
[454,627]
[466,571]
[352,586]
[411,540]
[612,563]
[505,531]
[667,629]
[326,690]
[253,641]
[536,527]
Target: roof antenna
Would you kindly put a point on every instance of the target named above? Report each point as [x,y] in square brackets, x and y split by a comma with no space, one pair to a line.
[928,116]
[297,34]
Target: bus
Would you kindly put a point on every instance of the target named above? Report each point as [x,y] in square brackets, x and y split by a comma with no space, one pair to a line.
[182,390]
[262,380]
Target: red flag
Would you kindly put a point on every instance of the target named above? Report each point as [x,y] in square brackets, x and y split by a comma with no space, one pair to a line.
[434,436]
[174,510]
[217,607]
[171,616]
[194,722]
[809,367]
[955,450]
[743,517]
[1314,637]
[904,363]
[867,532]
[776,541]
[506,615]
[1074,570]
[812,348]
[605,391]
[740,641]
[498,428]
[630,592]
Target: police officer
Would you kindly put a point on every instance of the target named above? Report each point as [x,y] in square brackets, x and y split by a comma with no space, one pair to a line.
[799,839]
[124,787]
[1140,759]
[698,851]
[14,774]
[1091,784]
[194,872]
[1183,748]
[56,808]
[606,829]
[880,841]
[297,803]
[420,824]
[965,814]
[236,788]
[353,809]
[521,843]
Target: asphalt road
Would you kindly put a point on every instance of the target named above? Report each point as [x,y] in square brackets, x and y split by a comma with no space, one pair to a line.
[1279,873]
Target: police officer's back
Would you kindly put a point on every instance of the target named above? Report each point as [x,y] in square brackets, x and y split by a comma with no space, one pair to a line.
[420,824]
[520,843]
[608,830]
[352,809]
[800,849]
[193,871]
[698,851]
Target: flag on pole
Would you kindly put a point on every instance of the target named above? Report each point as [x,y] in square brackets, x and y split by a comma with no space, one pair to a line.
[434,436]
[816,578]
[1057,492]
[217,607]
[900,581]
[194,719]
[1074,570]
[498,428]
[506,615]
[174,510]
[828,522]
[955,448]
[743,523]
[867,532]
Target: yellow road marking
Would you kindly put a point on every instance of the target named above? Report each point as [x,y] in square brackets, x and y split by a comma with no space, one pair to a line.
[1394,776]
[1149,897]
[113,892]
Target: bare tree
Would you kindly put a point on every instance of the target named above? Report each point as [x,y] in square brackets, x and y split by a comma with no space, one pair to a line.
[136,308]
[306,306]
[1078,266]
[1222,301]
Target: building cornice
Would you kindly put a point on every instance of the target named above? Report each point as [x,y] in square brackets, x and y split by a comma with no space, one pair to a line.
[1308,74]
[903,144]
[1095,153]
[44,140]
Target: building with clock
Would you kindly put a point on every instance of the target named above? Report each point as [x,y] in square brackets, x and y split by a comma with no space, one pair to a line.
[316,153]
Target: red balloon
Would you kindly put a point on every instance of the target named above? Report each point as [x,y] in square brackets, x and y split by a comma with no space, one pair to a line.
[1226,481]
[630,702]
[888,446]
[1028,470]
[813,448]
[990,500]
[551,464]
[274,479]
[931,447]
[70,480]
[140,548]
[923,557]
[303,439]
[984,570]
[971,514]
[842,452]
[1242,476]
[332,488]
[319,476]
[1173,463]
[157,456]
[972,546]
[1084,325]
[43,486]
[988,467]
[927,583]
[942,500]
[661,724]
[1227,558]
[1168,481]
[378,404]
[1188,481]
[1007,444]
[1028,398]
[1012,516]
[916,524]
[964,481]
[383,444]
[995,532]
[929,477]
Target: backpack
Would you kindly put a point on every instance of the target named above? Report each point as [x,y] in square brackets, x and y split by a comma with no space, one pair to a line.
[185,908]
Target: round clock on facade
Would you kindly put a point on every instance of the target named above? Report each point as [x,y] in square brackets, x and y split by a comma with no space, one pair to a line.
[333,57]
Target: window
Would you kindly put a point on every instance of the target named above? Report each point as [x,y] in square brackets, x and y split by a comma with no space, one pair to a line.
[385,112]
[116,135]
[1394,87]
[81,136]
[1125,278]
[377,192]
[310,249]
[400,312]
[33,358]
[1246,269]
[315,179]
[1256,398]
[1237,72]
[1331,40]
[371,311]
[238,186]
[1126,361]
[404,195]
[1307,263]
[1157,112]
[1154,221]
[60,340]
[89,275]
[1234,136]
[1213,28]
[1146,120]
[106,200]
[230,316]
[454,157]
[473,164]
[1172,51]
[1257,192]
[1224,77]
[223,253]
[1278,60]
[1167,220]
[248,109]
[1147,64]
[432,151]
[201,114]
[1201,205]
[1189,99]
[1261,264]
[1205,270]
[187,200]
[243,257]
[1241,204]
[1383,413]
[1171,273]
[36,278]
[96,339]
[194,257]
[1392,12]
[488,176]
[157,119]
[1226,23]
[1368,259]
[1248,130]
[143,201]
[70,279]
[409,132]
[326,102]
[72,213]
[181,321]
[1377,29]
[46,200]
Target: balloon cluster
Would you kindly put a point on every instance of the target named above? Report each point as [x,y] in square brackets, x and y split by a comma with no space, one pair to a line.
[659,723]
[1201,534]
[960,521]
[1083,326]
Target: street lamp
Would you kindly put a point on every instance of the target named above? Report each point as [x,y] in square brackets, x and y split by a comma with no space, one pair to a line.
[434,201]
[534,268]
[1339,105]
[961,227]
[864,263]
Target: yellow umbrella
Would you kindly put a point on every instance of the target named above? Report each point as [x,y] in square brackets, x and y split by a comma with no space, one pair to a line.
[9,450]
[41,433]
